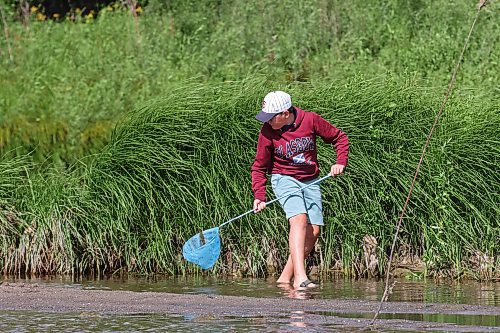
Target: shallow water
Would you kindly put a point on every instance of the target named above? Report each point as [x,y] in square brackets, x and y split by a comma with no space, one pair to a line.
[11,321]
[427,291]
[473,320]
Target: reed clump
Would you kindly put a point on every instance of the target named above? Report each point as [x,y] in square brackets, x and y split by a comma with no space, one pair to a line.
[181,165]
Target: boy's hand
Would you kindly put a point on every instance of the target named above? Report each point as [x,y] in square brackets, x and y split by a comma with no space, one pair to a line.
[337,169]
[258,205]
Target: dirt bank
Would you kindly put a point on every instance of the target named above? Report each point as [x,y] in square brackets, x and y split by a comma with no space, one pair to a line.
[33,297]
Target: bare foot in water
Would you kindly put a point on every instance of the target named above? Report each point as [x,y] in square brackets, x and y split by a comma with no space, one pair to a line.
[289,291]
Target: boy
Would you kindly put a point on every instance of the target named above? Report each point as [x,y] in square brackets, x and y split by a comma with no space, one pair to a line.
[286,149]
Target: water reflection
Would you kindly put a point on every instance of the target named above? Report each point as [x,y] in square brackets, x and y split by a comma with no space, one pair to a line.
[427,291]
[459,319]
[289,291]
[297,319]
[26,321]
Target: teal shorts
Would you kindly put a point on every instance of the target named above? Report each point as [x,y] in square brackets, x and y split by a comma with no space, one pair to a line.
[307,201]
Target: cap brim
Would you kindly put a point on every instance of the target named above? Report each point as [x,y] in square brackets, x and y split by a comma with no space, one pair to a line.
[264,116]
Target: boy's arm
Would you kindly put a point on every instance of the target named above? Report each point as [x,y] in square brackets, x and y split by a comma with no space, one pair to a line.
[333,135]
[260,167]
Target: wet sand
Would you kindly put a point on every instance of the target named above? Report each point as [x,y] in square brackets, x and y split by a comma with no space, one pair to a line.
[45,298]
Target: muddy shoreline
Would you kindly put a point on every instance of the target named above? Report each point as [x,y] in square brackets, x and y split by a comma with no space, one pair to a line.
[44,298]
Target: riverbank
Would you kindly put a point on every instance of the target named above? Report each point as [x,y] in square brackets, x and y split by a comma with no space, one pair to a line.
[342,313]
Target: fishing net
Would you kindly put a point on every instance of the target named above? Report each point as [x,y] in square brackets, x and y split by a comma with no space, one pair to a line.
[203,249]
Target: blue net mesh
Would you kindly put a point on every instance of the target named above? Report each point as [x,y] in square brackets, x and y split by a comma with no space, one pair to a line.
[203,250]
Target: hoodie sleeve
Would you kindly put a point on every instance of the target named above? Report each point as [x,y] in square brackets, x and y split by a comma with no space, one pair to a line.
[331,134]
[261,165]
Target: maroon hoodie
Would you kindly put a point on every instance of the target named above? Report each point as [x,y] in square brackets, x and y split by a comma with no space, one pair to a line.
[292,151]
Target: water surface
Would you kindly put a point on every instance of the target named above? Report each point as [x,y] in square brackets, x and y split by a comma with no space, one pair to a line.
[421,291]
[426,291]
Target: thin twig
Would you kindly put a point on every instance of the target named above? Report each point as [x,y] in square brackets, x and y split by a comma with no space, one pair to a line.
[482,3]
[6,31]
[132,4]
[25,12]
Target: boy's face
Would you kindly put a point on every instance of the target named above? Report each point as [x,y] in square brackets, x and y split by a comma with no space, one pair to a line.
[280,120]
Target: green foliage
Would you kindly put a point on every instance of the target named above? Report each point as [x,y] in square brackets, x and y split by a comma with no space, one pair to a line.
[177,166]
[182,83]
[84,74]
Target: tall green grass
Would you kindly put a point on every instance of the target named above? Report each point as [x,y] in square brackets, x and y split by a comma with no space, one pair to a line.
[68,82]
[37,217]
[180,164]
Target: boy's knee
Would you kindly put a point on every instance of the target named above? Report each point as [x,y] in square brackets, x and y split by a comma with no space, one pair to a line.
[299,219]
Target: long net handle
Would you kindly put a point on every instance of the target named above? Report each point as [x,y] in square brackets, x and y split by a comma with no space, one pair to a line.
[317,181]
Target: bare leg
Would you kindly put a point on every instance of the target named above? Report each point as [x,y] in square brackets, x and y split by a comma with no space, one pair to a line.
[312,234]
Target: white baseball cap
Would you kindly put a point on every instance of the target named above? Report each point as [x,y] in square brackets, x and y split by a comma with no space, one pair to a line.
[275,102]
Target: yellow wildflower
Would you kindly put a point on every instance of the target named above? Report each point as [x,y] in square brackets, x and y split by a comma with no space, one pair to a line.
[33,9]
